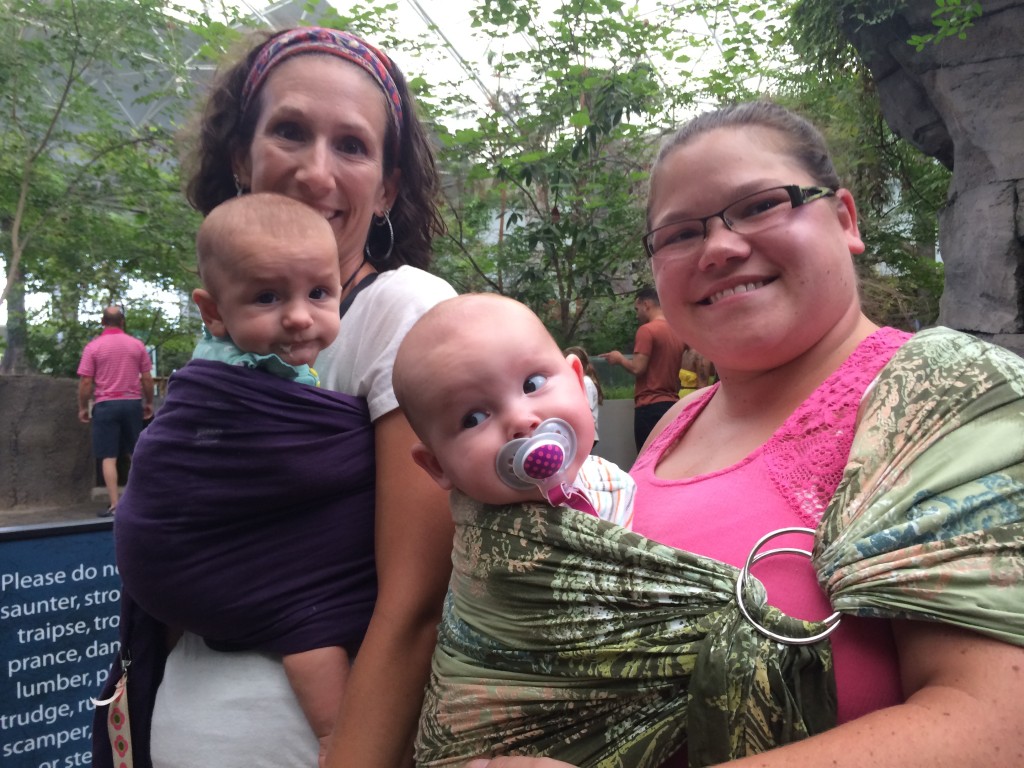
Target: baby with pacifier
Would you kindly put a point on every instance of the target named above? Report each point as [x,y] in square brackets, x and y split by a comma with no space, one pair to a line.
[501,415]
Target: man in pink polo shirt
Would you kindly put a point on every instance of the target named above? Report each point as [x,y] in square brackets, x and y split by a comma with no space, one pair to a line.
[115,372]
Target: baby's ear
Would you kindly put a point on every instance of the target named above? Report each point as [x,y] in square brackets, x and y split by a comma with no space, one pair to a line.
[577,367]
[210,314]
[423,456]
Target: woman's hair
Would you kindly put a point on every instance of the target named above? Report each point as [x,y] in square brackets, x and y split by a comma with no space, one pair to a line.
[224,132]
[803,141]
[694,361]
[588,369]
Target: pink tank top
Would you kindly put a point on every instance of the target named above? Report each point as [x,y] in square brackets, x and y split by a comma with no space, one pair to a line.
[786,482]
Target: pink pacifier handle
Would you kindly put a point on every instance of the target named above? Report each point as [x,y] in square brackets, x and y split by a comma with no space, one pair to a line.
[565,495]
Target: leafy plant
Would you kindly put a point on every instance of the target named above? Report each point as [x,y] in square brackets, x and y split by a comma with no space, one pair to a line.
[898,190]
[545,184]
[952,18]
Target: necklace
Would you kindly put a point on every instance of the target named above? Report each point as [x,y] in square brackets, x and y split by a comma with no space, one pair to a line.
[347,283]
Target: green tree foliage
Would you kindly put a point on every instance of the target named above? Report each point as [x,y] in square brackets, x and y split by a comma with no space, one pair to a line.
[551,180]
[549,184]
[89,198]
[95,94]
[556,162]
[545,184]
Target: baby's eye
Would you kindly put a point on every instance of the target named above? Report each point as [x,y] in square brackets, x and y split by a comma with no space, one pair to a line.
[267,297]
[319,293]
[473,419]
[534,383]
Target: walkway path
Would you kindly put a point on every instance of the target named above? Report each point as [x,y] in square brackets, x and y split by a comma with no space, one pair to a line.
[75,513]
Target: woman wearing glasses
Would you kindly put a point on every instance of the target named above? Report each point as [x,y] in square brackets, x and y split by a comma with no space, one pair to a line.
[900,458]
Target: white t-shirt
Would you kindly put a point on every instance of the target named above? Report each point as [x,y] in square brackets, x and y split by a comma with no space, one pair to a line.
[360,360]
[231,710]
[237,710]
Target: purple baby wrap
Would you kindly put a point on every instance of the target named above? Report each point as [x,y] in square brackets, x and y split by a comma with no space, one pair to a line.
[248,520]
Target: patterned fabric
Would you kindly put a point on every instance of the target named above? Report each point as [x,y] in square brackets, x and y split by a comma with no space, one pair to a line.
[223,350]
[119,727]
[569,637]
[806,464]
[335,42]
[793,476]
[610,489]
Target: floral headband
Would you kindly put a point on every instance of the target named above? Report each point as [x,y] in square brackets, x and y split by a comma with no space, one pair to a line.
[335,42]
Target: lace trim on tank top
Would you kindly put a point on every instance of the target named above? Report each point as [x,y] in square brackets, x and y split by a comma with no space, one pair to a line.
[806,456]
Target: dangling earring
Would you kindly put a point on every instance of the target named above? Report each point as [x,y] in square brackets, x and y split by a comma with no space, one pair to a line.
[239,189]
[380,221]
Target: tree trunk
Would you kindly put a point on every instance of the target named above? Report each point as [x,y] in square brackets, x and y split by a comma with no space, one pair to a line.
[15,359]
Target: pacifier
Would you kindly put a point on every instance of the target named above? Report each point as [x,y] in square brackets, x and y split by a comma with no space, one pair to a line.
[539,460]
[542,460]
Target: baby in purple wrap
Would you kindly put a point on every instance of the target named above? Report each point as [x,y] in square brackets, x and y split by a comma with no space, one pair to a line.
[270,300]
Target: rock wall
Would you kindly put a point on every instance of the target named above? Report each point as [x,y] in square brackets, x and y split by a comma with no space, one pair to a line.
[962,101]
[45,451]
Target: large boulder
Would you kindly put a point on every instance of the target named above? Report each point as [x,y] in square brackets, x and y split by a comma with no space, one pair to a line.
[962,102]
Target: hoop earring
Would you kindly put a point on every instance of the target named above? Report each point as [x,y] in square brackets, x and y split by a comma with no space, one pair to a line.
[239,189]
[380,221]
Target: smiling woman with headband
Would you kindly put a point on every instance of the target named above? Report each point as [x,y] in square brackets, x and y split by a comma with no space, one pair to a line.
[321,116]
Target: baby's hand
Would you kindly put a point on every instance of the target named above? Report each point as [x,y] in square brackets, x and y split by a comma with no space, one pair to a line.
[322,757]
[318,679]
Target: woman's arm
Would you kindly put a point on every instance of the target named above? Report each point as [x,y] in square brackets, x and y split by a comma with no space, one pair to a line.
[962,710]
[381,705]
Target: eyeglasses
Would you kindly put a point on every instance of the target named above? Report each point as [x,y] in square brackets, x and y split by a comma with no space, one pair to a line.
[746,216]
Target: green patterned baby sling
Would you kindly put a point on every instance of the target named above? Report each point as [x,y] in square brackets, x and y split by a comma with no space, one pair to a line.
[567,636]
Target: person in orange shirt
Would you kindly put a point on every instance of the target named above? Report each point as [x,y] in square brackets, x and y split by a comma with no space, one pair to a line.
[657,353]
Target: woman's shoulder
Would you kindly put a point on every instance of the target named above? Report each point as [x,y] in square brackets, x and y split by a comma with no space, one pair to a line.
[395,300]
[939,349]
[670,427]
[409,284]
[359,361]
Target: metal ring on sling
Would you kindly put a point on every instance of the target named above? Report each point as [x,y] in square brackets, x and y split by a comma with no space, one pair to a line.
[741,580]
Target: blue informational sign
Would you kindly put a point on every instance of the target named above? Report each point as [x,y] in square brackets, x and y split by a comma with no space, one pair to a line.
[59,615]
